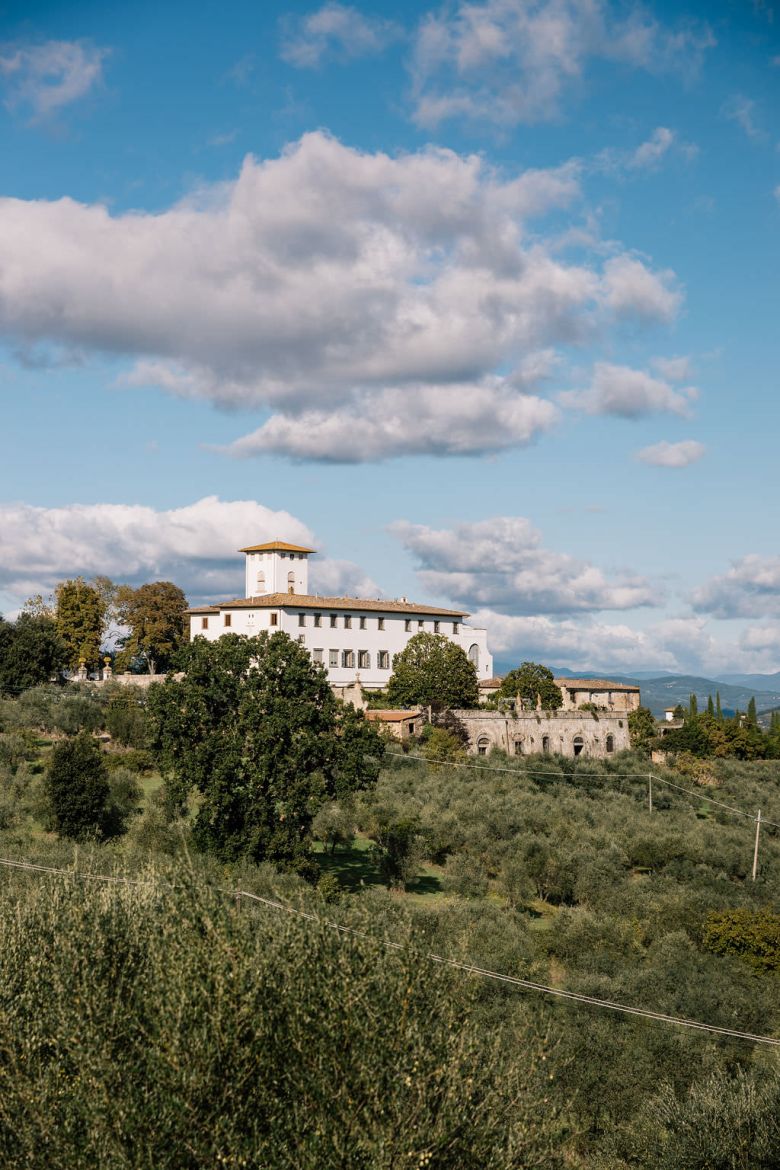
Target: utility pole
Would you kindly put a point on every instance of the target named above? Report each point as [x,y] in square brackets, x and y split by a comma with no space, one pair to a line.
[650,792]
[755,850]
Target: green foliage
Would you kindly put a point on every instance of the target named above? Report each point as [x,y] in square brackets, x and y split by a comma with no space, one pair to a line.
[642,729]
[81,613]
[753,936]
[432,671]
[160,1026]
[334,826]
[533,683]
[78,790]
[154,614]
[752,717]
[31,652]
[441,746]
[254,728]
[398,849]
[125,718]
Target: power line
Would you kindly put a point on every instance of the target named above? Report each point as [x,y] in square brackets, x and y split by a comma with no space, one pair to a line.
[468,968]
[611,775]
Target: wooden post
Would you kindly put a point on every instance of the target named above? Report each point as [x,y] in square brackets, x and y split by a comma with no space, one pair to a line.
[755,850]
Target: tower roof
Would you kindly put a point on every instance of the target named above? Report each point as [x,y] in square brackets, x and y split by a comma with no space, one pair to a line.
[276,546]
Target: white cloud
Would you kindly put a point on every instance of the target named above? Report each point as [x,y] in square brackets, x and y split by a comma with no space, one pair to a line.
[501,563]
[674,369]
[578,644]
[631,288]
[459,419]
[650,153]
[254,294]
[195,546]
[335,30]
[628,393]
[511,61]
[749,589]
[665,454]
[742,111]
[48,76]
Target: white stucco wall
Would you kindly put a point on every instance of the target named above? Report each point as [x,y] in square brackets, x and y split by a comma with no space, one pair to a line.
[276,572]
[348,634]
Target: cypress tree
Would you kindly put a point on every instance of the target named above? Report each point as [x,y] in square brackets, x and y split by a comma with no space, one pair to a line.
[752,717]
[693,706]
[718,710]
[710,706]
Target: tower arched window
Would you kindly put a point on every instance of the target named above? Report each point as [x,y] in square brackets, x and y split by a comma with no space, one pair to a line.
[260,583]
[474,655]
[291,582]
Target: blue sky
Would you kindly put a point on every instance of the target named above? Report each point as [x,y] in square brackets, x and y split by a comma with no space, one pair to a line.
[480,298]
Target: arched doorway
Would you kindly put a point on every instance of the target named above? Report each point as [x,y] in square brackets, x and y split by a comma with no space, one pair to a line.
[579,744]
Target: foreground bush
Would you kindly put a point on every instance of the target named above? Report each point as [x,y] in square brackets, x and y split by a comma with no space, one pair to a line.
[155,1027]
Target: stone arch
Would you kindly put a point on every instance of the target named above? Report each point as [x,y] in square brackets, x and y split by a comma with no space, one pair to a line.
[579,745]
[483,743]
[291,581]
[546,744]
[610,743]
[518,747]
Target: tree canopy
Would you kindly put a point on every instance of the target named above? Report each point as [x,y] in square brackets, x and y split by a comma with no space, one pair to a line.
[434,671]
[255,728]
[31,652]
[82,609]
[77,788]
[532,682]
[154,615]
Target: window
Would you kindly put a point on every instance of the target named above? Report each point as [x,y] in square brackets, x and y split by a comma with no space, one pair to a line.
[302,639]
[364,660]
[228,619]
[435,627]
[348,658]
[317,620]
[411,728]
[546,744]
[518,747]
[274,619]
[333,658]
[383,660]
[204,623]
[610,743]
[483,743]
[291,582]
[380,623]
[579,744]
[347,622]
[316,655]
[362,623]
[301,619]
[474,655]
[408,626]
[333,621]
[260,583]
[420,625]
[456,627]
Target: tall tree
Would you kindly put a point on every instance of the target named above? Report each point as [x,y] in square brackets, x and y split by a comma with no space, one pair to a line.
[693,706]
[154,615]
[642,729]
[752,716]
[81,615]
[31,652]
[710,707]
[77,788]
[532,682]
[718,708]
[433,671]
[255,729]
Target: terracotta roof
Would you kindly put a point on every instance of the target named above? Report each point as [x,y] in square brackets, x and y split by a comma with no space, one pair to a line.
[492,683]
[277,546]
[390,716]
[312,601]
[203,609]
[593,684]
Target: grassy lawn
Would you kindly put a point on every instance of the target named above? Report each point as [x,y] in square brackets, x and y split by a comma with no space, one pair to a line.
[355,868]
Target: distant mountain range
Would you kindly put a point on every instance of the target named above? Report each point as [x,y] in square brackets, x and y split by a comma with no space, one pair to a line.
[667,690]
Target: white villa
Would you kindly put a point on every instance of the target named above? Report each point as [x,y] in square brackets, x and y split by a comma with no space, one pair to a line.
[355,639]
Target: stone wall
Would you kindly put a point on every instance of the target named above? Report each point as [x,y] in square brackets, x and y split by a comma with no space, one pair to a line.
[531,733]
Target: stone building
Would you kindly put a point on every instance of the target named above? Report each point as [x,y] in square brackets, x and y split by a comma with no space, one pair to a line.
[565,733]
[354,639]
[601,692]
[401,724]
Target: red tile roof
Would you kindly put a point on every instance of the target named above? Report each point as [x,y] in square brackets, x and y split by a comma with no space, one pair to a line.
[312,601]
[593,684]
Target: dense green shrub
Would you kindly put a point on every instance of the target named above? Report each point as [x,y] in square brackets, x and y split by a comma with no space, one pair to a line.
[78,790]
[165,1028]
[753,936]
